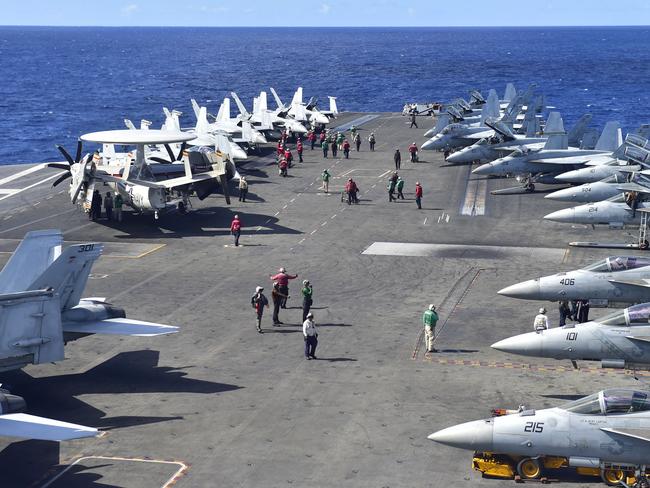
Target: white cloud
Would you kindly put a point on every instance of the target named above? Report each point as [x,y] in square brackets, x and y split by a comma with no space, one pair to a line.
[129,9]
[325,8]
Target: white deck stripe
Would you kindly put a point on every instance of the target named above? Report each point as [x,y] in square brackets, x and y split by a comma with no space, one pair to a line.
[20,174]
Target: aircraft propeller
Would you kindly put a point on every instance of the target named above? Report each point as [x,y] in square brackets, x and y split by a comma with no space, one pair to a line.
[68,168]
[172,158]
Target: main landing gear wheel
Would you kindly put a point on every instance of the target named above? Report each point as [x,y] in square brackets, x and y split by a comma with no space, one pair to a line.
[529,469]
[530,187]
[613,477]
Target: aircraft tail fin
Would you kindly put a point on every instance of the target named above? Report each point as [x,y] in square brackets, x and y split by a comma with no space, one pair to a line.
[38,250]
[129,124]
[195,107]
[297,97]
[263,102]
[108,151]
[68,275]
[578,130]
[224,111]
[240,105]
[491,107]
[201,127]
[611,137]
[510,93]
[554,124]
[333,108]
[278,102]
[443,120]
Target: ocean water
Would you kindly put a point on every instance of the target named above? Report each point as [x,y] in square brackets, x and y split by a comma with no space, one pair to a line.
[59,82]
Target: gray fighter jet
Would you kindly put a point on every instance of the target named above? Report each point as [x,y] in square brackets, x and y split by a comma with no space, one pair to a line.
[635,153]
[592,192]
[617,279]
[608,432]
[504,142]
[558,155]
[42,308]
[618,340]
[613,212]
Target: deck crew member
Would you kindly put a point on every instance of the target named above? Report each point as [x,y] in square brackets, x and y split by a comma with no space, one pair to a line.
[283,283]
[243,189]
[397,157]
[429,320]
[541,321]
[258,302]
[235,229]
[310,335]
[307,298]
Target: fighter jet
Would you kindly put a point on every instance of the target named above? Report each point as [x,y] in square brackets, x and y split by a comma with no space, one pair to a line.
[614,211]
[460,134]
[631,156]
[608,432]
[42,308]
[504,142]
[590,192]
[618,340]
[266,120]
[557,155]
[617,279]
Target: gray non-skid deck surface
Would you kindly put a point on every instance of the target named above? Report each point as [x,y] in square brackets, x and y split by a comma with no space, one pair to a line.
[244,409]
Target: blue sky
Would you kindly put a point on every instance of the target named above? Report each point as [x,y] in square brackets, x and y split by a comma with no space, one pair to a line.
[325,13]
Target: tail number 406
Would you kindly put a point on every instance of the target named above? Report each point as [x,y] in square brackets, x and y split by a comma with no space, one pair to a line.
[568,281]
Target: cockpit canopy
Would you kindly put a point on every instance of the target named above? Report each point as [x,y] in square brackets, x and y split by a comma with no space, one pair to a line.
[618,263]
[451,128]
[635,315]
[610,402]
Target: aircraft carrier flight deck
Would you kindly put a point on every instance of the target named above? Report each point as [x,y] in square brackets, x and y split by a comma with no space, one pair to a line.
[219,405]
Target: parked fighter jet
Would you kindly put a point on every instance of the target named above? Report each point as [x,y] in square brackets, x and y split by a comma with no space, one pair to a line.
[618,340]
[224,123]
[634,152]
[41,309]
[607,432]
[504,142]
[40,277]
[614,211]
[618,279]
[590,192]
[556,156]
[458,134]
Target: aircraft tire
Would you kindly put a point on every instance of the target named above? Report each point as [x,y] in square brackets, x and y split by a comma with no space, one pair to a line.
[530,187]
[529,468]
[612,477]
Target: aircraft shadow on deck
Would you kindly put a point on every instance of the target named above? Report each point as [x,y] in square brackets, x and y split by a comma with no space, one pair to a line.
[215,219]
[55,397]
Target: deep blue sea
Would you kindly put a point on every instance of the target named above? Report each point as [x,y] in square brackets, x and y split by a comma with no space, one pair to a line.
[59,82]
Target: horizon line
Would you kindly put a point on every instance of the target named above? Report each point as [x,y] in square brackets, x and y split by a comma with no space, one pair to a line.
[329,27]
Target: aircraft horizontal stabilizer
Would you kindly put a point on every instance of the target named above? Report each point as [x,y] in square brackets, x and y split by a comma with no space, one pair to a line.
[640,434]
[31,427]
[120,326]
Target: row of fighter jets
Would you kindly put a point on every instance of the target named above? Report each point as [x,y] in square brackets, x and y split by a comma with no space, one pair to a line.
[607,433]
[168,166]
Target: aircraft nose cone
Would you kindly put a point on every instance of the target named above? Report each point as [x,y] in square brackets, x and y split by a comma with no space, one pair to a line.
[526,289]
[476,435]
[529,344]
[566,215]
[484,169]
[566,177]
[459,157]
[430,144]
[430,133]
[563,195]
